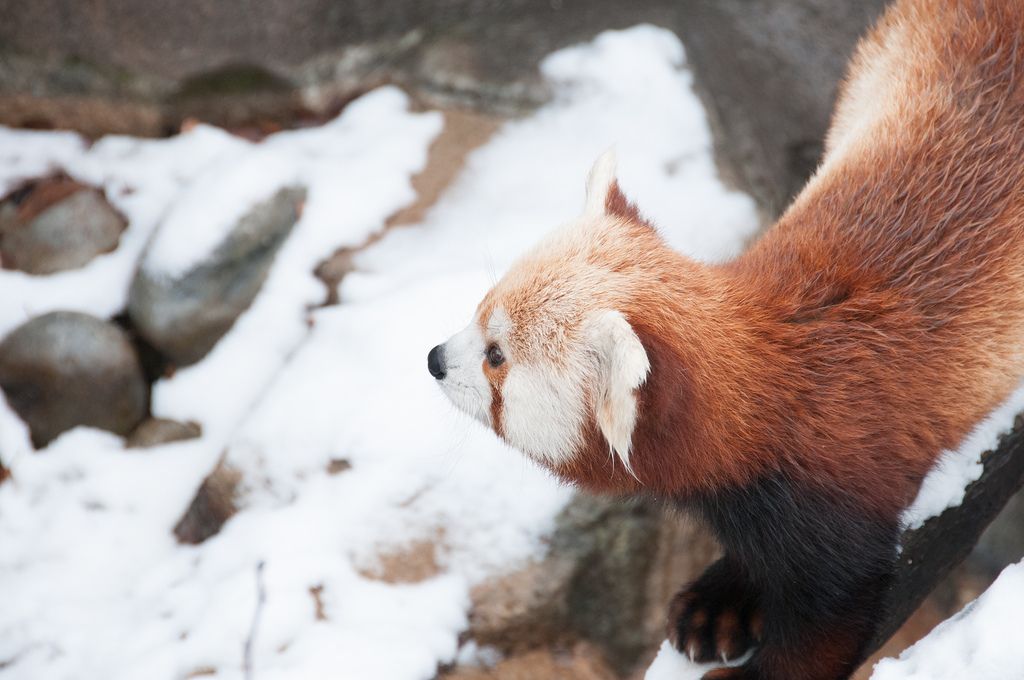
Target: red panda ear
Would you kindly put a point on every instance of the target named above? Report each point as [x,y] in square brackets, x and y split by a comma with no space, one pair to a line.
[622,367]
[600,181]
[604,197]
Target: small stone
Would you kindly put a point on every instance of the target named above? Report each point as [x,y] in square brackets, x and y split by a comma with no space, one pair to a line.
[337,466]
[335,268]
[213,505]
[65,369]
[55,224]
[316,592]
[156,431]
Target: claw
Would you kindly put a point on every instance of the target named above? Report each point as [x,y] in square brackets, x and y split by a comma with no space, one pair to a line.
[724,659]
[692,651]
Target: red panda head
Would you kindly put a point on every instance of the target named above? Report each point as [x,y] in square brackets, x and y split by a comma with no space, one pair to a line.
[550,360]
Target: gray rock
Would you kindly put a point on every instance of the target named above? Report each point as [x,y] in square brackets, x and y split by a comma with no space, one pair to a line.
[768,72]
[616,542]
[55,224]
[607,578]
[184,317]
[156,431]
[767,69]
[66,369]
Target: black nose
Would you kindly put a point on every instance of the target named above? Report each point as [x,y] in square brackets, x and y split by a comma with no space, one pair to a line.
[435,363]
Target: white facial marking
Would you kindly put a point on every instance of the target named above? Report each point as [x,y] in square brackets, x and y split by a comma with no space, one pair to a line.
[622,367]
[543,411]
[464,382]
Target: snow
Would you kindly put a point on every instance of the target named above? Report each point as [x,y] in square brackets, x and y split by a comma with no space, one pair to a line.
[95,583]
[531,175]
[353,186]
[946,483]
[349,180]
[982,642]
[25,155]
[198,222]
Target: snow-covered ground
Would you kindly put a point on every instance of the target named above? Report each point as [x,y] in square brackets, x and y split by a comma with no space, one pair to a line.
[94,584]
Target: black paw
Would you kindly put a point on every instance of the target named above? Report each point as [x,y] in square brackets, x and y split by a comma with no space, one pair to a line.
[716,618]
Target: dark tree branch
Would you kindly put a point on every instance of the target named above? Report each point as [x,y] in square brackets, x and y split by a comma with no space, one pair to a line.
[931,552]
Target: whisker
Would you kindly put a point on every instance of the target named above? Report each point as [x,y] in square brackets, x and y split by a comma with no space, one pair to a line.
[489,264]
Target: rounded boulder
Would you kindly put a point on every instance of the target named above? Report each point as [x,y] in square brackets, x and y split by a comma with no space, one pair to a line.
[66,369]
[56,224]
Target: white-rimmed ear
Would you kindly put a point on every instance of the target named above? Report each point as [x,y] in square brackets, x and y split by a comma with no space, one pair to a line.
[622,367]
[599,182]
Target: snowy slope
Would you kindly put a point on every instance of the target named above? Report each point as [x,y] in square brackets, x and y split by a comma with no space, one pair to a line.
[94,583]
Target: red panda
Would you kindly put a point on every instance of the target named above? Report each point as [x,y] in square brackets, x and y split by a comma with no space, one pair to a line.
[796,396]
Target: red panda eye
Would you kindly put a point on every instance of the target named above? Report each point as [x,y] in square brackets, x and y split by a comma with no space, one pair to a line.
[494,356]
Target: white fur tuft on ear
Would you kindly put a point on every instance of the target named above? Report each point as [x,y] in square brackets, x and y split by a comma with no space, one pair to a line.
[622,367]
[599,181]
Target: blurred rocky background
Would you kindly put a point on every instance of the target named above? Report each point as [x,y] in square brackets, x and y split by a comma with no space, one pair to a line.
[767,71]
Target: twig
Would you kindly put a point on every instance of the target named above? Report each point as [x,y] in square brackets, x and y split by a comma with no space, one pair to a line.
[261,597]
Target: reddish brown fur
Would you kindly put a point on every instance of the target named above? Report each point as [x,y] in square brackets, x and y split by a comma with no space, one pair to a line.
[616,203]
[877,321]
[496,378]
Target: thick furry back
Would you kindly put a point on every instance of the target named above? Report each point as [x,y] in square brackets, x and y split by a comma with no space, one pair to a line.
[897,277]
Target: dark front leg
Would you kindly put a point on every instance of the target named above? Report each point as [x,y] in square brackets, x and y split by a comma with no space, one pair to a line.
[805,567]
[720,617]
